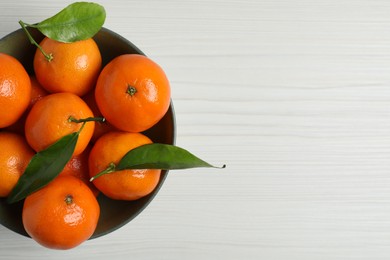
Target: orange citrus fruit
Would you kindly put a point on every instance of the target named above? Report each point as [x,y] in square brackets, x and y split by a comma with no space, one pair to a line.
[132,92]
[37,93]
[49,120]
[78,167]
[124,184]
[61,215]
[15,88]
[100,127]
[74,67]
[15,154]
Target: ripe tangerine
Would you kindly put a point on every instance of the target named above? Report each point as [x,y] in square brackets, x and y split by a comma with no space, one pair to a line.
[50,119]
[74,67]
[61,215]
[15,88]
[78,167]
[132,92]
[124,184]
[15,154]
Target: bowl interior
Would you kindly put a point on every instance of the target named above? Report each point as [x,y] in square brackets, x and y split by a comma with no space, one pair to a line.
[114,213]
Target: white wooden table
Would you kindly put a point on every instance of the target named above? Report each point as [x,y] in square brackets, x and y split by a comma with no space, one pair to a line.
[294,96]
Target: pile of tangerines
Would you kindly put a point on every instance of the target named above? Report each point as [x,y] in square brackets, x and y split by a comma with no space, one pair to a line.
[69,85]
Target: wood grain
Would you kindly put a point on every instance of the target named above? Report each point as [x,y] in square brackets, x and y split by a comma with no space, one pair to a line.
[294,96]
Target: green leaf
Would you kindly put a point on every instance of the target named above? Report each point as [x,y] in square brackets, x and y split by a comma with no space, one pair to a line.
[44,167]
[161,156]
[78,21]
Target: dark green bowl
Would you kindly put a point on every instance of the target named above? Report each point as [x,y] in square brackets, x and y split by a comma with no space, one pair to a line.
[114,213]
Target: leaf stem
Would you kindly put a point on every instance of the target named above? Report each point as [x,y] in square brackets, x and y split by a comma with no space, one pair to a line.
[81,128]
[88,119]
[24,25]
[111,168]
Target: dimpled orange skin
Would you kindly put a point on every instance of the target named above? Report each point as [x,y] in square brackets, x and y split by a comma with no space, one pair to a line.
[15,154]
[74,68]
[48,121]
[61,215]
[138,111]
[15,90]
[124,184]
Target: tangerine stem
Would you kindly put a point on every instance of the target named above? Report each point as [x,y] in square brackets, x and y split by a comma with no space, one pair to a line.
[48,57]
[111,168]
[88,119]
[68,199]
[131,90]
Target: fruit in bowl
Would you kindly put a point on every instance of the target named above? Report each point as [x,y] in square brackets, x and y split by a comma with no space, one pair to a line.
[113,213]
[109,130]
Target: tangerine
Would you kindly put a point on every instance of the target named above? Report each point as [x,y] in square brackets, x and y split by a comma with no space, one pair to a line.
[61,215]
[78,166]
[15,88]
[73,67]
[100,127]
[132,92]
[15,154]
[37,93]
[51,118]
[124,184]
